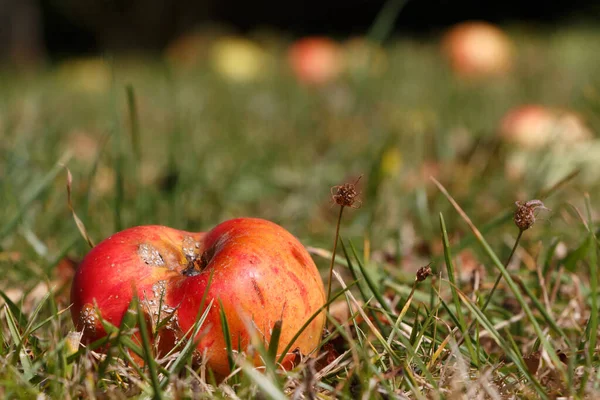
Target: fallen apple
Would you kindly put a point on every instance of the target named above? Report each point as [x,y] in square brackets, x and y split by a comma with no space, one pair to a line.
[315,60]
[237,59]
[533,126]
[261,274]
[477,49]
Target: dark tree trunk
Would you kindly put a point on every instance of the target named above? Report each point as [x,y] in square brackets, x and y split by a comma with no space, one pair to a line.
[20,32]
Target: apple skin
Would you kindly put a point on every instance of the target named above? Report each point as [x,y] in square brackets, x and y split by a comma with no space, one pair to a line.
[315,60]
[261,274]
[478,49]
[117,267]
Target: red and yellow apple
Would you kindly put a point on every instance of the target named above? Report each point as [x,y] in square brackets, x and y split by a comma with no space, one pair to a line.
[478,49]
[315,60]
[261,274]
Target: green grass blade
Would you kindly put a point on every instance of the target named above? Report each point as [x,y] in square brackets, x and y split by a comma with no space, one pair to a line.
[148,352]
[510,282]
[118,161]
[274,342]
[384,22]
[593,262]
[309,320]
[452,277]
[36,191]
[374,289]
[506,347]
[28,370]
[542,310]
[267,387]
[36,312]
[227,336]
[359,283]
[134,123]
[19,317]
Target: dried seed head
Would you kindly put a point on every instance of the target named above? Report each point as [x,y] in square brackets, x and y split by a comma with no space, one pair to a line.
[423,273]
[346,195]
[526,212]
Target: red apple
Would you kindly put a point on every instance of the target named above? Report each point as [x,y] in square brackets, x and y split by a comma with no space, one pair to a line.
[261,274]
[477,49]
[315,60]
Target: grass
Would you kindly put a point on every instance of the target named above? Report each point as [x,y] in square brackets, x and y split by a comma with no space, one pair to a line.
[505,314]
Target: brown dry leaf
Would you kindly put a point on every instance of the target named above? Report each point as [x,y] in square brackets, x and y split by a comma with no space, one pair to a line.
[62,276]
[392,373]
[28,299]
[550,379]
[60,282]
[330,355]
[490,346]
[533,361]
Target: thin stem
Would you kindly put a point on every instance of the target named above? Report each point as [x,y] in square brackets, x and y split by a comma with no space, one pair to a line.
[498,279]
[337,235]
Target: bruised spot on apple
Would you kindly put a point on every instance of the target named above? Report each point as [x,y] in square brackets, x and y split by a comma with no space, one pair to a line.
[261,274]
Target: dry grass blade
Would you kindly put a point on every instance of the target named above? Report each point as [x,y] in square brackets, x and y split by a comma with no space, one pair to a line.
[78,221]
[365,317]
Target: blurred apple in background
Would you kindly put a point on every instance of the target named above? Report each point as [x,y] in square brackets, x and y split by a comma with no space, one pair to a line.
[477,49]
[237,59]
[315,60]
[191,49]
[363,57]
[547,144]
[534,126]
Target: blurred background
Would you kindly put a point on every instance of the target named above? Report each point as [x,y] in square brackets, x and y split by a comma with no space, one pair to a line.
[30,29]
[187,113]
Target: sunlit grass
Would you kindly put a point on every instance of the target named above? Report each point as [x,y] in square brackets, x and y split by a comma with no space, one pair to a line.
[188,149]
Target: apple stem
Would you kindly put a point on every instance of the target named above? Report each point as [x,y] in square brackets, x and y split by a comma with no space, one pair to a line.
[337,235]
